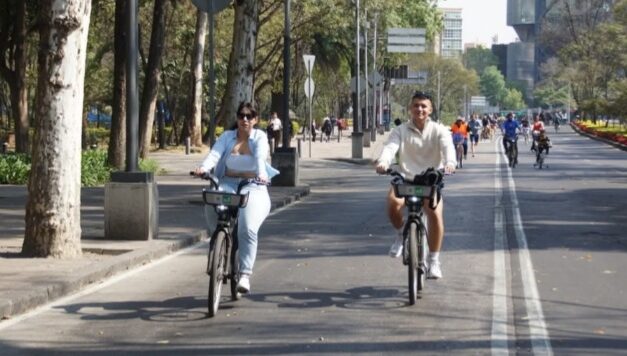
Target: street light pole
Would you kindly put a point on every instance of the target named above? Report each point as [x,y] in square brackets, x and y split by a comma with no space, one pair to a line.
[357,137]
[286,77]
[132,107]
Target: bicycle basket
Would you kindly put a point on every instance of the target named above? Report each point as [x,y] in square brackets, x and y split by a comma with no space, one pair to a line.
[212,197]
[412,190]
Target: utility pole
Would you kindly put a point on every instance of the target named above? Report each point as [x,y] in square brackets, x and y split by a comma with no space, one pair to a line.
[373,126]
[357,136]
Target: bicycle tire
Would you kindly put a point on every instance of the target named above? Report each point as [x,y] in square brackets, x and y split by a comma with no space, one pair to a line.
[460,155]
[412,265]
[422,256]
[234,263]
[216,278]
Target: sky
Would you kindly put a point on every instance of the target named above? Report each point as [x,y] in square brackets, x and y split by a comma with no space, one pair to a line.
[482,20]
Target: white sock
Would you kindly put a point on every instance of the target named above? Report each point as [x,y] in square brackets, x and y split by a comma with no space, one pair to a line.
[433,256]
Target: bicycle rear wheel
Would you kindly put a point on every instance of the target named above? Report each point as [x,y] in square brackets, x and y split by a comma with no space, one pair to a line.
[460,156]
[216,278]
[414,278]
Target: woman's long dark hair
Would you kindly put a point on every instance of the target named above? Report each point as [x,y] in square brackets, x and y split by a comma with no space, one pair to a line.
[248,106]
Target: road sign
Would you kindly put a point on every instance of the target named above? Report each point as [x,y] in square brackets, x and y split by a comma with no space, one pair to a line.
[406,40]
[478,101]
[218,5]
[309,60]
[310,88]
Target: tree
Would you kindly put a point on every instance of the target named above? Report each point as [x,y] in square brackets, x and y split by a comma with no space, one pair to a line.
[492,85]
[53,206]
[239,86]
[151,78]
[194,127]
[13,63]
[512,100]
[478,59]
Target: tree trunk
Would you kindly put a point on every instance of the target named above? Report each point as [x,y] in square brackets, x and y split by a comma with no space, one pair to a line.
[151,82]
[53,213]
[239,84]
[117,135]
[16,78]
[194,118]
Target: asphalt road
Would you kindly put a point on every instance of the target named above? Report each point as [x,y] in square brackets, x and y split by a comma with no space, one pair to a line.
[533,262]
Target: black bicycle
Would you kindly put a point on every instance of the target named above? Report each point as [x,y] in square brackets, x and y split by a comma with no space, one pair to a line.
[511,150]
[427,185]
[223,259]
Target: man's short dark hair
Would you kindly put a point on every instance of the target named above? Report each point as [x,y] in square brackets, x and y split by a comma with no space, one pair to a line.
[421,95]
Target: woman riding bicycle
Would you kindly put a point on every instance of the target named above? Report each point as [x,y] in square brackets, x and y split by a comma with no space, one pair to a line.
[538,126]
[421,143]
[239,154]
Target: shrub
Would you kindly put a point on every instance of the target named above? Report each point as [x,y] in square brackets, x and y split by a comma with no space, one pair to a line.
[14,168]
[94,168]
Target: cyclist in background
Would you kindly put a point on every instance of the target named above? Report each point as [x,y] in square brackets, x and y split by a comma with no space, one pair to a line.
[510,129]
[544,143]
[538,126]
[460,128]
[421,143]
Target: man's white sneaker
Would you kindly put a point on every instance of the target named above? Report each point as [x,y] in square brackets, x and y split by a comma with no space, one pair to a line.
[397,247]
[243,285]
[434,272]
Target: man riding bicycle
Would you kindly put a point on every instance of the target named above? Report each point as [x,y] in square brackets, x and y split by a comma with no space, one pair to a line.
[510,130]
[421,143]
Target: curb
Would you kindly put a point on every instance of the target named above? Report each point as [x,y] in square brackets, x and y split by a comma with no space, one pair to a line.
[604,140]
[100,271]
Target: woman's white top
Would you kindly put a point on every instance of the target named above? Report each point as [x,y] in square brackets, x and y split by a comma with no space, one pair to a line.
[241,163]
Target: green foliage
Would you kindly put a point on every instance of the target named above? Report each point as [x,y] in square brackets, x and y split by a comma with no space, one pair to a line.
[97,136]
[478,59]
[492,85]
[512,100]
[14,168]
[149,165]
[94,168]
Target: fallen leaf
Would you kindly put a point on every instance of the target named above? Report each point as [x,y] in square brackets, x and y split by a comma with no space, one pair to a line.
[599,331]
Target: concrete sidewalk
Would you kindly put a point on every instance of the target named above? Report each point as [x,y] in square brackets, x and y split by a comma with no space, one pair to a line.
[26,283]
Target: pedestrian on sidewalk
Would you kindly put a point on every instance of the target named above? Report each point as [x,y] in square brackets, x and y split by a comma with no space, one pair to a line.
[421,144]
[277,129]
[239,154]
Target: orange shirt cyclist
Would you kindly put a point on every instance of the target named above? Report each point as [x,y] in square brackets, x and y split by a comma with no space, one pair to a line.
[459,130]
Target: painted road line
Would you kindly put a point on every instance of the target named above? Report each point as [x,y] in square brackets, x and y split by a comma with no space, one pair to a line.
[499,342]
[538,334]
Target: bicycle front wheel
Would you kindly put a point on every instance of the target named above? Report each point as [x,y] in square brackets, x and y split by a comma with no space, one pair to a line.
[218,261]
[235,295]
[413,274]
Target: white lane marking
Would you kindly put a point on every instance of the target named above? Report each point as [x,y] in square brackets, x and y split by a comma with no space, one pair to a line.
[499,336]
[538,334]
[96,287]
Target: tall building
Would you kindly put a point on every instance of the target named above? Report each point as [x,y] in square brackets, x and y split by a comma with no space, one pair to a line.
[527,17]
[451,36]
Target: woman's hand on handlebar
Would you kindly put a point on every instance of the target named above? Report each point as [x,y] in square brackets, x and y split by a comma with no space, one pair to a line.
[198,172]
[382,168]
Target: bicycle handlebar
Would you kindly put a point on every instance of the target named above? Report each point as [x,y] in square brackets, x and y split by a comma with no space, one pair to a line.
[431,177]
[214,180]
